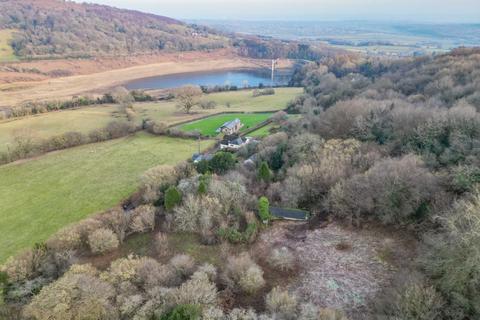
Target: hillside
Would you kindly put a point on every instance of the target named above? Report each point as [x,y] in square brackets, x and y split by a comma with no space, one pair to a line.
[56,28]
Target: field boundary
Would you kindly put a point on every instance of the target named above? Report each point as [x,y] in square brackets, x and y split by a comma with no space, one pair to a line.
[258,126]
[219,114]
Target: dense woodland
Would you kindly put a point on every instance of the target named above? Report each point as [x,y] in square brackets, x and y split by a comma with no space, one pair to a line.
[378,142]
[52,28]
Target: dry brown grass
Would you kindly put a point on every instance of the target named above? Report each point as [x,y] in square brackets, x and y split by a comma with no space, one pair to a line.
[15,93]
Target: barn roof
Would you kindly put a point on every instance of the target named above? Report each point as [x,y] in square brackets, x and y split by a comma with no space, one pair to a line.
[289,214]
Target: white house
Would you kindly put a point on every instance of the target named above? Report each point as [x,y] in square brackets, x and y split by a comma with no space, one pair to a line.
[234,144]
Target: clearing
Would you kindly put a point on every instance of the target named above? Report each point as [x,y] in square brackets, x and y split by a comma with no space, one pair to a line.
[337,267]
[41,195]
[208,126]
[86,119]
[6,51]
[341,268]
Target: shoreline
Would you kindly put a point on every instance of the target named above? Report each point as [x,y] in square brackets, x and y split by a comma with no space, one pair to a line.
[15,94]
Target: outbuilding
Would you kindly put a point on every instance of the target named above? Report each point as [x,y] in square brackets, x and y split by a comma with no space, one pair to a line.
[289,214]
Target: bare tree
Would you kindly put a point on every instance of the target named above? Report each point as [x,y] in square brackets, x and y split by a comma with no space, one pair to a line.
[187,97]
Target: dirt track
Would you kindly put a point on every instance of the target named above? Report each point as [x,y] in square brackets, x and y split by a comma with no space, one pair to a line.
[12,94]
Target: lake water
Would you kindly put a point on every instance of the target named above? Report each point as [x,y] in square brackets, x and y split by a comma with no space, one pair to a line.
[243,78]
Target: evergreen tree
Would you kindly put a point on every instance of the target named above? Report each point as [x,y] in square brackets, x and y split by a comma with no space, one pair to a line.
[264,172]
[222,162]
[172,197]
[264,209]
[202,187]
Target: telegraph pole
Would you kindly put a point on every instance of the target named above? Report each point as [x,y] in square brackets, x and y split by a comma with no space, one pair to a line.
[273,71]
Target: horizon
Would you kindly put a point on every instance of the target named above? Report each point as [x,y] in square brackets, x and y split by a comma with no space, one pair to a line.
[428,12]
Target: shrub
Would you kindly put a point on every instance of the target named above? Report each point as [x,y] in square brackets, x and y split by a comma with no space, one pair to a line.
[331,314]
[183,265]
[86,227]
[309,181]
[264,209]
[279,117]
[121,270]
[452,257]
[197,214]
[208,270]
[265,92]
[241,272]
[75,293]
[202,187]
[202,167]
[142,219]
[67,238]
[184,312]
[281,304]
[155,180]
[198,291]
[252,280]
[464,178]
[242,314]
[230,234]
[116,129]
[189,185]
[393,190]
[128,305]
[139,95]
[282,259]
[415,301]
[208,104]
[102,240]
[149,274]
[3,285]
[308,311]
[157,128]
[231,193]
[117,220]
[160,244]
[222,162]
[213,313]
[250,232]
[172,197]
[98,135]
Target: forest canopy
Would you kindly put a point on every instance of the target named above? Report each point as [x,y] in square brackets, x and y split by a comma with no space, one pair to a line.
[51,28]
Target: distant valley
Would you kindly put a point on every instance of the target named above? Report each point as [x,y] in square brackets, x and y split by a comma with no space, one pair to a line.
[379,38]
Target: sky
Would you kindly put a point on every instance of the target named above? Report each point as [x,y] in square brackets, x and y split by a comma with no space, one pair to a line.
[459,11]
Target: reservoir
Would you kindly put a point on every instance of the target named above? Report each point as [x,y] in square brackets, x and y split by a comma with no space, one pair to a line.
[239,78]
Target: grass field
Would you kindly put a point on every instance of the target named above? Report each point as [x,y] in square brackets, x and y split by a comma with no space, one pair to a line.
[54,123]
[262,132]
[39,196]
[208,126]
[88,118]
[6,51]
[233,101]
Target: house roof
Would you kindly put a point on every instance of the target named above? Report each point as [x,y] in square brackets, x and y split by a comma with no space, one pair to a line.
[289,214]
[197,157]
[229,124]
[236,141]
